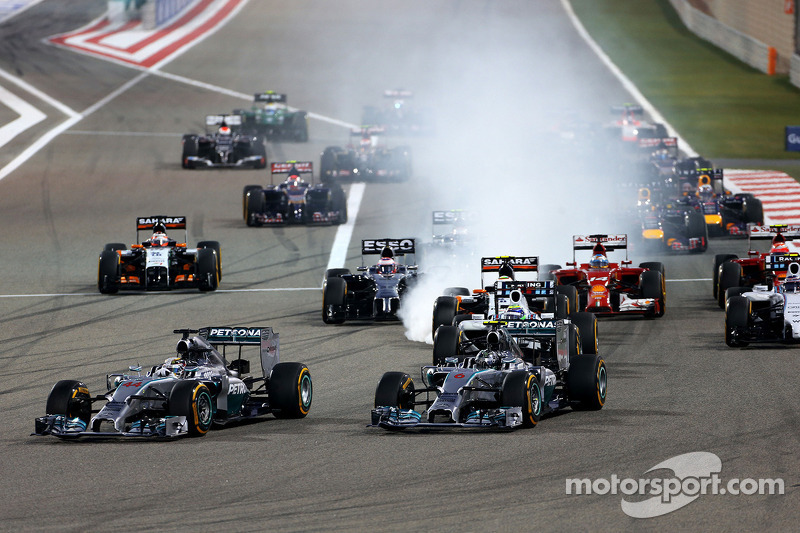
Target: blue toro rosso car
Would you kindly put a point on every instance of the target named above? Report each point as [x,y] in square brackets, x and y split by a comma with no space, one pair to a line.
[194,389]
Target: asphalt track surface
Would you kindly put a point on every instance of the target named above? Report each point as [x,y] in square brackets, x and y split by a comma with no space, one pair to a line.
[489,69]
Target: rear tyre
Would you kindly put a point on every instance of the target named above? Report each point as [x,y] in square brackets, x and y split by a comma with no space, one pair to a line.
[730,275]
[521,389]
[108,272]
[259,149]
[737,313]
[207,273]
[395,389]
[718,260]
[571,292]
[192,399]
[546,272]
[213,245]
[336,273]
[71,399]
[444,311]
[658,266]
[587,331]
[445,344]
[333,298]
[586,382]
[754,211]
[290,390]
[456,291]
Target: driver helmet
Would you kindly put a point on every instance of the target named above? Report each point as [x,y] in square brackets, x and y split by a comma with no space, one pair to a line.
[598,261]
[661,155]
[387,266]
[159,237]
[505,272]
[365,143]
[224,130]
[705,191]
[173,367]
[779,245]
[514,312]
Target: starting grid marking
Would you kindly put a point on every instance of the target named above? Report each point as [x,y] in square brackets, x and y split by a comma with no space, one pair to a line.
[286,289]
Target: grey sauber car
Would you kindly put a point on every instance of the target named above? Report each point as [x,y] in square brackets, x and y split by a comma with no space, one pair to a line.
[187,394]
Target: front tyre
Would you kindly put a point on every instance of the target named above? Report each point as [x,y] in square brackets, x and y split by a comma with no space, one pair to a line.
[207,273]
[108,272]
[395,389]
[213,245]
[737,313]
[521,389]
[192,399]
[70,399]
[290,390]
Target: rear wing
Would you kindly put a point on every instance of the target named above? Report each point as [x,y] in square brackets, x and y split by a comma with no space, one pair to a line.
[397,94]
[452,216]
[170,222]
[398,246]
[264,337]
[229,120]
[523,328]
[651,144]
[519,264]
[270,97]
[628,109]
[781,262]
[755,232]
[301,167]
[528,288]
[366,130]
[609,242]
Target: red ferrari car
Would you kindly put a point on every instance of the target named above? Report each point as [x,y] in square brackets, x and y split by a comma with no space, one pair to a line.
[758,268]
[606,288]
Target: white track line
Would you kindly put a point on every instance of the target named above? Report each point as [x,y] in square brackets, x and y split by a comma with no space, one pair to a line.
[286,289]
[623,79]
[28,116]
[345,232]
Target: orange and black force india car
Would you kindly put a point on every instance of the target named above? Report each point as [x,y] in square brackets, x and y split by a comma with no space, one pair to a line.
[608,289]
[294,201]
[224,145]
[159,263]
[758,268]
[195,388]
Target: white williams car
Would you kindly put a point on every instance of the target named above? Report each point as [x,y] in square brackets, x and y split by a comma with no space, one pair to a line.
[766,313]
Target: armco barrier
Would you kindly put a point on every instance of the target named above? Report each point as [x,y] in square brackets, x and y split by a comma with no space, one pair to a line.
[153,13]
[794,71]
[745,48]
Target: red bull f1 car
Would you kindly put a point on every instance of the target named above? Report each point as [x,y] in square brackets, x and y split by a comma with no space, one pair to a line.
[159,263]
[192,390]
[294,201]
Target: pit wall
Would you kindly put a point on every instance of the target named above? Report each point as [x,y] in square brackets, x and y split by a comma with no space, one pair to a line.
[152,13]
